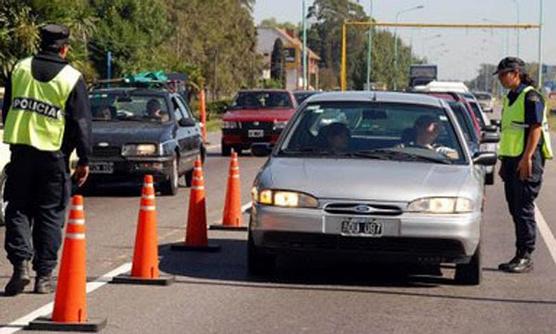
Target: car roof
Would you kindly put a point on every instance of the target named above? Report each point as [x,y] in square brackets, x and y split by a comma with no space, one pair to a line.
[128,90]
[266,90]
[376,96]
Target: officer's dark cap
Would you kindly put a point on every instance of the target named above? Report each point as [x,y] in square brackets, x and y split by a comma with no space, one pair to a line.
[510,64]
[54,36]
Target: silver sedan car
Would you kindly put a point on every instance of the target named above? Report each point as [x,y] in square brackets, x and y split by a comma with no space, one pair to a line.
[379,175]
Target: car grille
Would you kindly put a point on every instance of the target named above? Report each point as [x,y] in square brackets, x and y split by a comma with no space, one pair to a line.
[363,209]
[110,151]
[267,126]
[414,246]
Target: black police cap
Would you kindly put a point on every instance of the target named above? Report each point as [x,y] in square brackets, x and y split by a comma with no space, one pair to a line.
[54,36]
[509,64]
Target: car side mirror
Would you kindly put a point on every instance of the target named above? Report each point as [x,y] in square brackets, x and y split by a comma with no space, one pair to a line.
[485,158]
[496,122]
[186,122]
[490,137]
[490,128]
[261,149]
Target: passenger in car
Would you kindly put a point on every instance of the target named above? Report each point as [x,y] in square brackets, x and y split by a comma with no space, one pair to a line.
[154,111]
[337,136]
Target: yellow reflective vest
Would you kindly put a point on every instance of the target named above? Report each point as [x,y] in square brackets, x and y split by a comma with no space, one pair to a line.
[37,113]
[512,136]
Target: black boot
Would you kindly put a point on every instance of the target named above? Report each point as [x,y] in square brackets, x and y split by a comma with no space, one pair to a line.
[523,265]
[20,278]
[43,284]
[506,265]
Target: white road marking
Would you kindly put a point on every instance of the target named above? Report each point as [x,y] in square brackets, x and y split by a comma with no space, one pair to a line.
[546,233]
[45,310]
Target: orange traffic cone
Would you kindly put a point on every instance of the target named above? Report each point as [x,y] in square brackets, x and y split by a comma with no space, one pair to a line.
[232,219]
[144,269]
[70,303]
[196,233]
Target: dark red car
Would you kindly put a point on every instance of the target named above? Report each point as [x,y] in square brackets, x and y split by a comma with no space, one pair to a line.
[256,116]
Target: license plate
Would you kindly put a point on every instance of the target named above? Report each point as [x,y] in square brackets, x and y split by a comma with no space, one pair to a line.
[362,227]
[101,167]
[255,133]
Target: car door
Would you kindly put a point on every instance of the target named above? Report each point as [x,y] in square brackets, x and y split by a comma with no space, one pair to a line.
[181,135]
[191,133]
[196,136]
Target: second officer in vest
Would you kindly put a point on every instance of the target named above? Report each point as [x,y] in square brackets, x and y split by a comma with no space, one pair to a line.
[46,116]
[524,147]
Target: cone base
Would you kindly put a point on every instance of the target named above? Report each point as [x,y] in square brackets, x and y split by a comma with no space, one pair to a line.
[128,279]
[221,227]
[46,324]
[185,248]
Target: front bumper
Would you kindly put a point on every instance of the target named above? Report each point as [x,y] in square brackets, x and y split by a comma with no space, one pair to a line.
[130,171]
[418,238]
[242,139]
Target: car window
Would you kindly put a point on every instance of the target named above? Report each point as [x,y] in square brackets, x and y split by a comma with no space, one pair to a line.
[262,100]
[464,121]
[179,109]
[122,106]
[186,109]
[353,129]
[478,113]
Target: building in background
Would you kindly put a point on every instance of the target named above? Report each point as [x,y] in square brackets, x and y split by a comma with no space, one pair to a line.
[290,63]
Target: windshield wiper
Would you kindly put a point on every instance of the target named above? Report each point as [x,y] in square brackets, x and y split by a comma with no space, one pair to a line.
[390,154]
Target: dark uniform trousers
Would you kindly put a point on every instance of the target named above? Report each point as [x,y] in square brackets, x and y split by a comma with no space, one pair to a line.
[520,196]
[37,191]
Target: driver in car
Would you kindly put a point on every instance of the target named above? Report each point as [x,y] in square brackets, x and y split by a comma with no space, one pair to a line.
[427,130]
[154,111]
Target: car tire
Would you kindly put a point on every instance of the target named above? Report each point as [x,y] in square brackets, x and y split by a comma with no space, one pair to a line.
[171,186]
[203,152]
[189,178]
[3,178]
[226,150]
[489,179]
[258,263]
[470,273]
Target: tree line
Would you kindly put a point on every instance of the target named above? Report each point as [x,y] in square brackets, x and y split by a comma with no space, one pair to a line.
[213,41]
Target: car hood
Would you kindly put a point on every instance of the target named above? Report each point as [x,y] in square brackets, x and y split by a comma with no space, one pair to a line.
[123,132]
[261,115]
[376,180]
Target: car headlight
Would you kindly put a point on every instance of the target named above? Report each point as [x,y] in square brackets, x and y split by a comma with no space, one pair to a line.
[229,125]
[280,125]
[442,205]
[130,150]
[290,199]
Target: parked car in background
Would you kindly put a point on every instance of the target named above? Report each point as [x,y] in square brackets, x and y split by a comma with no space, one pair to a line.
[486,100]
[143,130]
[370,144]
[256,116]
[302,95]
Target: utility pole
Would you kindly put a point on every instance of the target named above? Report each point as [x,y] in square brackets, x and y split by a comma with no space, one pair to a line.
[305,69]
[541,27]
[396,41]
[517,30]
[369,49]
[109,65]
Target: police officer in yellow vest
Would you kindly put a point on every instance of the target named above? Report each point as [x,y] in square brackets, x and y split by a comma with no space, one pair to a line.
[46,116]
[524,147]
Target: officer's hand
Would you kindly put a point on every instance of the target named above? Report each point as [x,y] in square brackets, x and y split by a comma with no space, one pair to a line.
[80,175]
[525,169]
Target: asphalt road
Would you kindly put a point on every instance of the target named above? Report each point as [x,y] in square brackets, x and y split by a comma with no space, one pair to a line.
[214,294]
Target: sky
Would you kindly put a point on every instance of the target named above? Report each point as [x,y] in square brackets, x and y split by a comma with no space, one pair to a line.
[458,53]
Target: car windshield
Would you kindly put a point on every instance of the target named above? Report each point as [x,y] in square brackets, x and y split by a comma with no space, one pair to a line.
[483,96]
[262,100]
[112,107]
[373,131]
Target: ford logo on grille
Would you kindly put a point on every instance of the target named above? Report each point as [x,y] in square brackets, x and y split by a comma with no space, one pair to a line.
[103,144]
[363,209]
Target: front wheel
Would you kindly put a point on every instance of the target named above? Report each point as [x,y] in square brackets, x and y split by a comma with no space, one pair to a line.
[171,186]
[470,273]
[226,150]
[258,263]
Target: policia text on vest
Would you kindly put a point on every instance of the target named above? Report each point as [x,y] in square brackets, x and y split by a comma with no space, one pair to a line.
[42,108]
